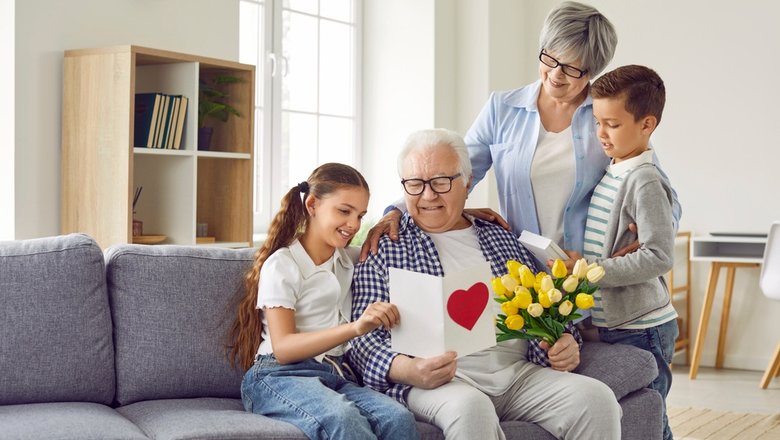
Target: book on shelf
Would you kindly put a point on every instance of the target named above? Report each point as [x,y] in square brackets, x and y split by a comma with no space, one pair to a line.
[542,247]
[159,120]
[145,107]
[180,122]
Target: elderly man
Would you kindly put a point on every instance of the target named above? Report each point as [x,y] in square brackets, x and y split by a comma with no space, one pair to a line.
[467,397]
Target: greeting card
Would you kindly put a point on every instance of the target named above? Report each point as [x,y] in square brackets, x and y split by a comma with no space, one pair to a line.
[439,314]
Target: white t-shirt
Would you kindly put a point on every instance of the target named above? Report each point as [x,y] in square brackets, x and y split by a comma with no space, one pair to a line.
[319,295]
[552,179]
[495,369]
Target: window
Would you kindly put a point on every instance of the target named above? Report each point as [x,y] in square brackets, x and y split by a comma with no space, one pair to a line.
[307,91]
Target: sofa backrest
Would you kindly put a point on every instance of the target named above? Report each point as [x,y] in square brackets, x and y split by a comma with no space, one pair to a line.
[55,324]
[171,308]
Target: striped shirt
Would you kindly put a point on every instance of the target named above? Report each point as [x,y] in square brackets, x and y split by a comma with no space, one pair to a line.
[601,205]
[415,250]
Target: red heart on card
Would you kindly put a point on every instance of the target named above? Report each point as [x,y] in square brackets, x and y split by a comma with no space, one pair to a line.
[466,306]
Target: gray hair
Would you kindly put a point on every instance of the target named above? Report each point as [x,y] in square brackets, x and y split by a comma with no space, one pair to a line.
[428,139]
[582,32]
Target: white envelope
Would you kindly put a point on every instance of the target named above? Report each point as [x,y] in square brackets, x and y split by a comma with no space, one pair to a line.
[439,314]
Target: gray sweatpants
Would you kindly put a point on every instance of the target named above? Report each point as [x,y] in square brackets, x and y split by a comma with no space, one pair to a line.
[567,405]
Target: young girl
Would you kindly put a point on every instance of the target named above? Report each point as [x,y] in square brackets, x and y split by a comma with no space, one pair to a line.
[301,281]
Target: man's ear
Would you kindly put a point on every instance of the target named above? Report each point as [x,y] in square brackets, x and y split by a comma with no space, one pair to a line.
[649,123]
[470,182]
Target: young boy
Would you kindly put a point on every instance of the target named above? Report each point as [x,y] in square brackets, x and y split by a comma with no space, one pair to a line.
[633,304]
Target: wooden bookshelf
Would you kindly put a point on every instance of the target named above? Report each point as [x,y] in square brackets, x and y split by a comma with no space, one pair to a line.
[101,168]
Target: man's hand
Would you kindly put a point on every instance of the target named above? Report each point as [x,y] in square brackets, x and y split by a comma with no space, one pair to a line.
[489,215]
[425,373]
[631,247]
[564,354]
[386,225]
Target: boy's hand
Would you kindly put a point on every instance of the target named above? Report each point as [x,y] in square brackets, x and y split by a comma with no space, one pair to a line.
[631,247]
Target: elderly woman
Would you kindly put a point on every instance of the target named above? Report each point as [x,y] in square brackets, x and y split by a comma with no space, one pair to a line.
[541,138]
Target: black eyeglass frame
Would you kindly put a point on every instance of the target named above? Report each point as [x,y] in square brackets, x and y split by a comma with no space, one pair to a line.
[564,67]
[428,182]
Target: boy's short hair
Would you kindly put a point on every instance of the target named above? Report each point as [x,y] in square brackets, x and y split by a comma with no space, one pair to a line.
[642,88]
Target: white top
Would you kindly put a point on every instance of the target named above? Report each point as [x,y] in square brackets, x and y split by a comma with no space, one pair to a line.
[319,295]
[494,369]
[552,179]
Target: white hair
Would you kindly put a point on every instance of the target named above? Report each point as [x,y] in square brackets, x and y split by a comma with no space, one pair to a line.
[582,33]
[430,138]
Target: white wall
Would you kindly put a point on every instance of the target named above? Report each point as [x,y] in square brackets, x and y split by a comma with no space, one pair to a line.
[7,121]
[398,87]
[716,141]
[44,29]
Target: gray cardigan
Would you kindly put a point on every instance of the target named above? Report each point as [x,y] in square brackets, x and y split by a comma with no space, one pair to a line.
[633,285]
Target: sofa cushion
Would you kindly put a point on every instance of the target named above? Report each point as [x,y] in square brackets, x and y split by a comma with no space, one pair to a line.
[65,421]
[205,418]
[624,368]
[171,308]
[55,325]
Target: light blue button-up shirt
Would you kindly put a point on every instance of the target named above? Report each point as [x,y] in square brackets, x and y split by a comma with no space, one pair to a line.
[505,135]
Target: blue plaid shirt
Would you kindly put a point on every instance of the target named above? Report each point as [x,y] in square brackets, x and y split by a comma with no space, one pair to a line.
[414,250]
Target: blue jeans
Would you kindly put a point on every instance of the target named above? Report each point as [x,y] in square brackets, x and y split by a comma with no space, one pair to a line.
[322,404]
[659,341]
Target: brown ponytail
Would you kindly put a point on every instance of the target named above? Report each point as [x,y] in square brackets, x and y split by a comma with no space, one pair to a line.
[289,223]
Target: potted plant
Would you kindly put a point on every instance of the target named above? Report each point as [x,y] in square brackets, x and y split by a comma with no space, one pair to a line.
[212,103]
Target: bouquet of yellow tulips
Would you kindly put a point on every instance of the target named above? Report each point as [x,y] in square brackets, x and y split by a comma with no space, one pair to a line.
[538,306]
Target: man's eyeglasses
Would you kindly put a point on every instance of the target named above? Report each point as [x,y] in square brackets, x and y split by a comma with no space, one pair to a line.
[439,185]
[568,70]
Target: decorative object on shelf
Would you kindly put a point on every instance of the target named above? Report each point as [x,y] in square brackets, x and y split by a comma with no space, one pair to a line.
[149,239]
[138,225]
[202,230]
[212,103]
[204,240]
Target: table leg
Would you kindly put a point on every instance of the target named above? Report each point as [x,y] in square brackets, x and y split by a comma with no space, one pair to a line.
[724,315]
[704,319]
[773,369]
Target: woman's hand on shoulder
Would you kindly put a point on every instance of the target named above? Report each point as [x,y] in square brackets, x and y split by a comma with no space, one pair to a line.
[489,215]
[386,225]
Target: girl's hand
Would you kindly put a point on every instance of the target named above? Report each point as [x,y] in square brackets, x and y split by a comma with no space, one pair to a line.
[386,225]
[376,314]
[622,252]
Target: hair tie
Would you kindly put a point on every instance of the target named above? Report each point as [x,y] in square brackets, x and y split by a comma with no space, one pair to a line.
[303,187]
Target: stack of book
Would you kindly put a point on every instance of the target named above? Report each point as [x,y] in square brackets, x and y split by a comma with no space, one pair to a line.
[159,120]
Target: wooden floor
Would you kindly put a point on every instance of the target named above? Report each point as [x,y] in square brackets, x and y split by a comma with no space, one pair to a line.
[723,390]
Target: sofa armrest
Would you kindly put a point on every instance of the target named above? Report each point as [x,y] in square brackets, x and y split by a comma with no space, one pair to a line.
[624,368]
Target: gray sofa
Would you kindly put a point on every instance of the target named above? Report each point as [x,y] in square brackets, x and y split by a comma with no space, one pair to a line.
[128,345]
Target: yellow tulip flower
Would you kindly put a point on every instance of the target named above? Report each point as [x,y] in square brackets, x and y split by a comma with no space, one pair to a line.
[571,283]
[526,277]
[498,286]
[559,269]
[584,301]
[522,298]
[513,268]
[544,300]
[546,284]
[514,322]
[535,310]
[596,274]
[565,308]
[508,308]
[509,282]
[580,268]
[555,295]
